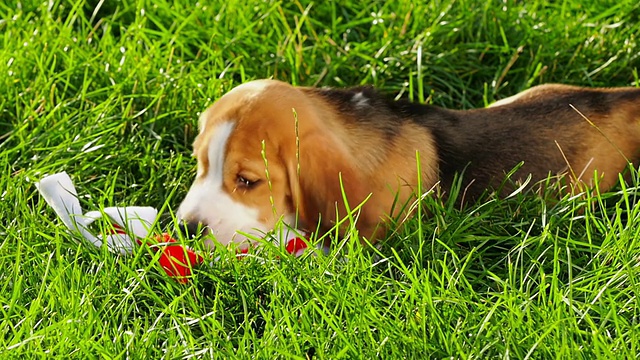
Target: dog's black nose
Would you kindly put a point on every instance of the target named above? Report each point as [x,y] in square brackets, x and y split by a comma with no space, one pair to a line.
[191,229]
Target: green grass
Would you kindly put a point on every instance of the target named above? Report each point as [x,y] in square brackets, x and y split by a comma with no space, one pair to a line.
[111,95]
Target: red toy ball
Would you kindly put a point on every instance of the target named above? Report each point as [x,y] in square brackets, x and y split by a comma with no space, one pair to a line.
[176,260]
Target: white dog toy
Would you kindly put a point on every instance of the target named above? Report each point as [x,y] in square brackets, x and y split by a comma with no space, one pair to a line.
[131,225]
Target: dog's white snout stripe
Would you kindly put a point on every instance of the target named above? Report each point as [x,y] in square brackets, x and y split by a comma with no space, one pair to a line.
[208,203]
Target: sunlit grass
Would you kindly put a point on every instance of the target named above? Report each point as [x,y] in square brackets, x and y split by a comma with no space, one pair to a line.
[110,92]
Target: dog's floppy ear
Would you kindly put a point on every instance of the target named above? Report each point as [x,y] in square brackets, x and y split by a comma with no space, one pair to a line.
[319,173]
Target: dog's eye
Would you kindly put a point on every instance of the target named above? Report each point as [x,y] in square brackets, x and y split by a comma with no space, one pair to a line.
[245,183]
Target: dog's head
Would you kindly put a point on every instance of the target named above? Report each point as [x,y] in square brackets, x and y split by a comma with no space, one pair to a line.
[266,153]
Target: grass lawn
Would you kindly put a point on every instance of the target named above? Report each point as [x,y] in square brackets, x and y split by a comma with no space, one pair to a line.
[110,91]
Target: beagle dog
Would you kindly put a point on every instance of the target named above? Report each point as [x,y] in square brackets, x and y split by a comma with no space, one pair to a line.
[269,152]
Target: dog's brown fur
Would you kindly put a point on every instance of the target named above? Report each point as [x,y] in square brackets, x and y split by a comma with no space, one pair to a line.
[369,143]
